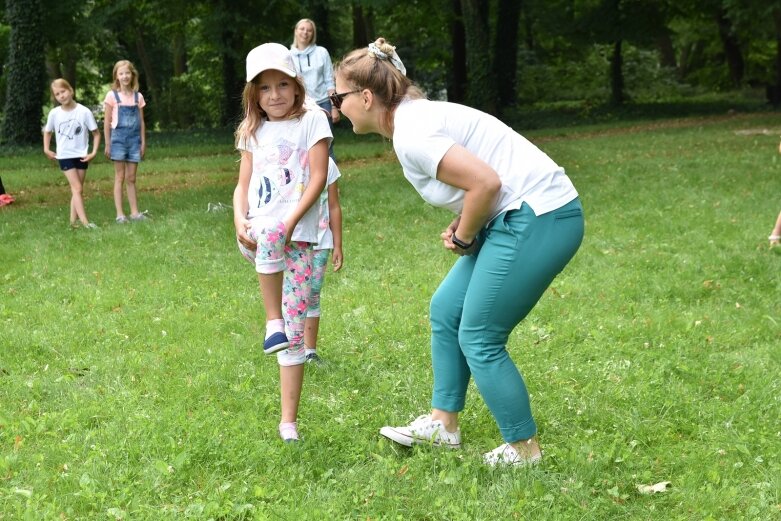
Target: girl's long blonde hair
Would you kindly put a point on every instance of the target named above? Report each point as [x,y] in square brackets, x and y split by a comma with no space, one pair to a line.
[115,81]
[254,115]
[363,69]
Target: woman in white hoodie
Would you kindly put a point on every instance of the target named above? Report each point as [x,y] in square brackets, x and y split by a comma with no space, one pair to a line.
[314,65]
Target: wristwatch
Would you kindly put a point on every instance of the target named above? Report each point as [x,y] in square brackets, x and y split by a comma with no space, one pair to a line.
[461,244]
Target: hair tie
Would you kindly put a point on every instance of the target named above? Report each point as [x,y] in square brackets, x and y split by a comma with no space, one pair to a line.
[393,58]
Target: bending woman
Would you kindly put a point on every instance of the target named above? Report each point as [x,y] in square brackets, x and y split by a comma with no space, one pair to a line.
[519,222]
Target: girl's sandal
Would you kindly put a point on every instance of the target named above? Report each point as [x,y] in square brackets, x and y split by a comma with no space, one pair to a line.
[775,240]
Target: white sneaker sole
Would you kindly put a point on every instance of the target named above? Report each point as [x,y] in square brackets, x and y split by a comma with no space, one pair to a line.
[520,462]
[408,441]
[276,348]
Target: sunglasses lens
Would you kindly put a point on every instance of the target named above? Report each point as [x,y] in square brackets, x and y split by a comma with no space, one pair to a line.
[336,101]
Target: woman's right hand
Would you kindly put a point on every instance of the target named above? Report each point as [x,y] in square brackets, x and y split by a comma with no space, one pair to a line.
[447,235]
[107,150]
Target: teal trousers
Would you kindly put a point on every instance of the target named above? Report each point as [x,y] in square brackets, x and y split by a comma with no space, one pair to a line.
[483,298]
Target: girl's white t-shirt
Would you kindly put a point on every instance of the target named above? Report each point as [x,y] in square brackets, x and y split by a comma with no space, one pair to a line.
[280,170]
[71,130]
[425,130]
[325,240]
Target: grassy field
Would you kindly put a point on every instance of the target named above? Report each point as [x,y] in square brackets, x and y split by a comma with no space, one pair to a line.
[133,386]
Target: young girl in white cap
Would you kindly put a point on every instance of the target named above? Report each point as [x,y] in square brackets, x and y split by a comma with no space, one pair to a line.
[519,222]
[284,161]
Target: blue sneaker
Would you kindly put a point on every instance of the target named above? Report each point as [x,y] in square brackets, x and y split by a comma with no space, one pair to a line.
[276,342]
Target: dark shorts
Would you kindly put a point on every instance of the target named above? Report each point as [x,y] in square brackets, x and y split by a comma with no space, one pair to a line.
[71,163]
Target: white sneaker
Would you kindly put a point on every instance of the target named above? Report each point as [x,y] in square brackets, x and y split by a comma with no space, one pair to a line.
[506,454]
[289,432]
[423,430]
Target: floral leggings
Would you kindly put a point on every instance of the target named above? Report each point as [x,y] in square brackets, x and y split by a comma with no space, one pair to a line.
[295,259]
[319,263]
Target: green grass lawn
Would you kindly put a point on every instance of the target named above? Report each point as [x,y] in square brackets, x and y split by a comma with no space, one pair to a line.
[133,385]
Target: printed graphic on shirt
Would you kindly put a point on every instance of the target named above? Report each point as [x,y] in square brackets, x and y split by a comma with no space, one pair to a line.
[280,174]
[70,129]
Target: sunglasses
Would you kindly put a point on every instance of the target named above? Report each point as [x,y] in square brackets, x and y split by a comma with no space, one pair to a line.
[336,99]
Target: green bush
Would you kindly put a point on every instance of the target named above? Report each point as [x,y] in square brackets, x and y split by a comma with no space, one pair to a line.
[189,101]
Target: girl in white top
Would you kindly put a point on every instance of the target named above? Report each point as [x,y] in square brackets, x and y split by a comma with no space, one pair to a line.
[71,123]
[284,159]
[518,222]
[329,238]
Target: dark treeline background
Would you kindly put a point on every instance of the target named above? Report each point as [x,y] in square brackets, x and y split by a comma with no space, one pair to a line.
[496,55]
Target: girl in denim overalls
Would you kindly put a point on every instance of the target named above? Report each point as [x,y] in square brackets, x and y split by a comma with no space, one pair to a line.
[125,134]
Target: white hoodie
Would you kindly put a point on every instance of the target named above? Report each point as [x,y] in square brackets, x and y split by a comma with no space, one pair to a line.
[314,66]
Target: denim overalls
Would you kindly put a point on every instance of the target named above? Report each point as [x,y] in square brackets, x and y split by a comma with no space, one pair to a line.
[126,137]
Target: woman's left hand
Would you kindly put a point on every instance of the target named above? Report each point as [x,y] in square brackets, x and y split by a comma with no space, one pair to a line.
[335,116]
[447,240]
[449,245]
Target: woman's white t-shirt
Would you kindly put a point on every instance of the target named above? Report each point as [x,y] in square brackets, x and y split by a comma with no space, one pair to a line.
[425,130]
[280,170]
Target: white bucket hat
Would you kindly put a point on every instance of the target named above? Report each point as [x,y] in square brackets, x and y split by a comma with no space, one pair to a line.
[270,56]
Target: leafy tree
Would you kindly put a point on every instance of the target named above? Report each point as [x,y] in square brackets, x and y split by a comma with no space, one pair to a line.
[26,79]
[615,22]
[506,50]
[487,53]
[757,23]
[774,93]
[456,90]
[481,85]
[732,48]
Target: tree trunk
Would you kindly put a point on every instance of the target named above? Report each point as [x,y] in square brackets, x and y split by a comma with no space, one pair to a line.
[319,13]
[179,51]
[617,75]
[69,63]
[666,51]
[25,74]
[146,63]
[363,27]
[53,69]
[481,82]
[456,91]
[61,63]
[232,81]
[528,28]
[732,52]
[775,90]
[506,50]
